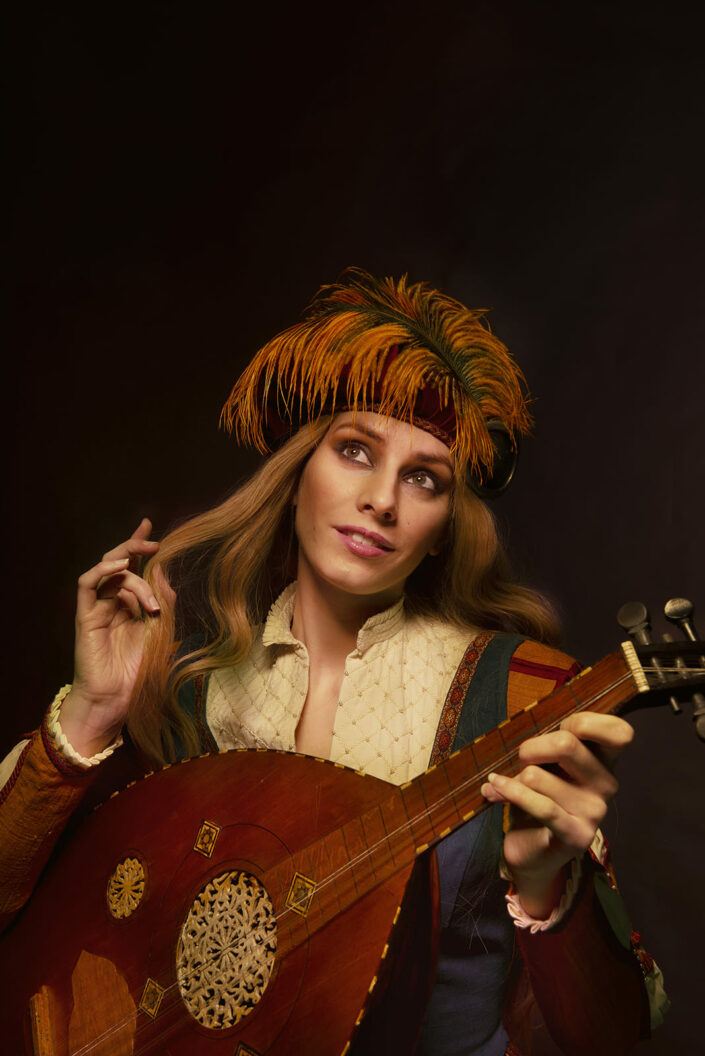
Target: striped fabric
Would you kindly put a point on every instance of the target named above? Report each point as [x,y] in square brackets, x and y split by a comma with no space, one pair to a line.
[535,671]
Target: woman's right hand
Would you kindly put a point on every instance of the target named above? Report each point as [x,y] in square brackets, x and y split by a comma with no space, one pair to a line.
[109,643]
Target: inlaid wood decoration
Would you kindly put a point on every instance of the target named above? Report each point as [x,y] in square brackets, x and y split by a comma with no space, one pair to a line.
[300,894]
[205,840]
[151,998]
[125,888]
[226,950]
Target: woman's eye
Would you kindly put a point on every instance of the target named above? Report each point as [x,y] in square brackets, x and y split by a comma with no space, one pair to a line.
[354,453]
[423,480]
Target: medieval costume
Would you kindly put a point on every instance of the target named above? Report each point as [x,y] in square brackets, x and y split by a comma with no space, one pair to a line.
[416,687]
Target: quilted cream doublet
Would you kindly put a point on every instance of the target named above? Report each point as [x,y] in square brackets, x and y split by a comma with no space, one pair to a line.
[391,696]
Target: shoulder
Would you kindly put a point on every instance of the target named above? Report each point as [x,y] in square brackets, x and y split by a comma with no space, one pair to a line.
[432,635]
[535,670]
[433,628]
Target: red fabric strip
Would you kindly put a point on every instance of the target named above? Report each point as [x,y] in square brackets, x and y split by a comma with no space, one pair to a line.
[559,675]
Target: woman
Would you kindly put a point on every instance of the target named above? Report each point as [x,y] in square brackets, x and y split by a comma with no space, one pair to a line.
[330,607]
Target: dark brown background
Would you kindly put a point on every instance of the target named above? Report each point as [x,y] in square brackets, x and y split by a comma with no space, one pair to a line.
[184,177]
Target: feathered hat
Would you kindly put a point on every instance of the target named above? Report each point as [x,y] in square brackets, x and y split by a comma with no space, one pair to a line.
[401,350]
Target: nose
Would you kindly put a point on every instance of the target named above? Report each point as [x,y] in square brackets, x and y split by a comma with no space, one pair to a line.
[378,495]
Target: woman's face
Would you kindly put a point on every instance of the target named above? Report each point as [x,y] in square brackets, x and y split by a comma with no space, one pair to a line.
[372,502]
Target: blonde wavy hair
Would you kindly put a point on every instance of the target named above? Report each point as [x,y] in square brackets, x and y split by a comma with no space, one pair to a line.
[233,561]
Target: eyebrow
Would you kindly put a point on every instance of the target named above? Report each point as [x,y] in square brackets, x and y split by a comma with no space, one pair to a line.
[419,456]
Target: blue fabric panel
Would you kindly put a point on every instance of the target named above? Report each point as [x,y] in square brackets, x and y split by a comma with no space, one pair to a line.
[476,941]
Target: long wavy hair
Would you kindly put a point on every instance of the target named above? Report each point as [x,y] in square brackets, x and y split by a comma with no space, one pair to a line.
[230,563]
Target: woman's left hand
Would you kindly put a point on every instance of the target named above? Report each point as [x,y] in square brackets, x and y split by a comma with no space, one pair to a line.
[557,812]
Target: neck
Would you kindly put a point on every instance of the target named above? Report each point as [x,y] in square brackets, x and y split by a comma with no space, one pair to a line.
[328,620]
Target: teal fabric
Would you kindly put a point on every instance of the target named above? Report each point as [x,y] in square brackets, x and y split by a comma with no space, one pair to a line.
[192,700]
[477,934]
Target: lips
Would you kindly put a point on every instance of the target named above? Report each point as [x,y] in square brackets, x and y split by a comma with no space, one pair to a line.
[366,541]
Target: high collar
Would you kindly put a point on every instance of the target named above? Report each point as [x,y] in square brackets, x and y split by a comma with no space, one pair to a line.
[378,628]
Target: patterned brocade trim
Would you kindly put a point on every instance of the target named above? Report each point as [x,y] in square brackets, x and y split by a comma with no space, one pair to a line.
[453,705]
[445,435]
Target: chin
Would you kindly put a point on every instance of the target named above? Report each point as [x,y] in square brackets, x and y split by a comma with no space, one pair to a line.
[384,591]
[358,583]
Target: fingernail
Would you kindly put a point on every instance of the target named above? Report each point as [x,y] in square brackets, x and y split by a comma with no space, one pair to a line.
[121,561]
[154,603]
[492,778]
[485,789]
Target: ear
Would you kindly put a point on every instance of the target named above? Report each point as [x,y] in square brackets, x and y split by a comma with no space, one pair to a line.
[444,534]
[440,544]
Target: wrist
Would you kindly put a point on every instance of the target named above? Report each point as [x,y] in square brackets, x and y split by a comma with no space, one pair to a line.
[79,730]
[525,922]
[538,893]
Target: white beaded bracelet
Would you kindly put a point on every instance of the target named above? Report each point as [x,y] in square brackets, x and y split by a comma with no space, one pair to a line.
[59,737]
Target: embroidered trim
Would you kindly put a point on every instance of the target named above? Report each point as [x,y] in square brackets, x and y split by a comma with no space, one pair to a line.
[645,959]
[64,757]
[445,435]
[60,762]
[453,704]
[599,851]
[10,783]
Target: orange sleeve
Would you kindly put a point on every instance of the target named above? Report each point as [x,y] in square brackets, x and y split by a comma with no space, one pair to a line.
[35,805]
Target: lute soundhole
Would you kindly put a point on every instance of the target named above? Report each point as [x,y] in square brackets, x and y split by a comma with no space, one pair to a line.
[226,950]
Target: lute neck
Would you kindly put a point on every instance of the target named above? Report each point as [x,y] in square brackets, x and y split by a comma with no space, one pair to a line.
[447,795]
[424,811]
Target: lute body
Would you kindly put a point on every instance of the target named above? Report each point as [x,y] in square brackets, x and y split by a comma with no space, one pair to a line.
[111,982]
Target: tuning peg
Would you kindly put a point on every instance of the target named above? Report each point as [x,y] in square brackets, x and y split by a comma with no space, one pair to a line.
[675,706]
[633,617]
[679,611]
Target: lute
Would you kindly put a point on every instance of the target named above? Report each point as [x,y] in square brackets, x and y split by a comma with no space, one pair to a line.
[247,903]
